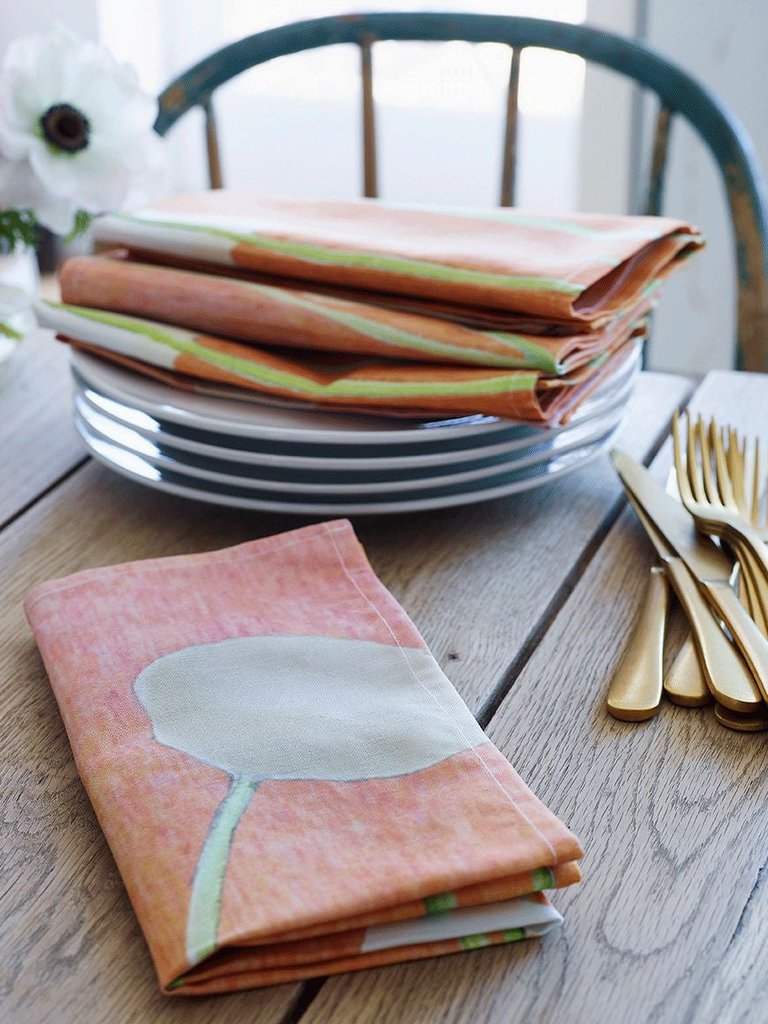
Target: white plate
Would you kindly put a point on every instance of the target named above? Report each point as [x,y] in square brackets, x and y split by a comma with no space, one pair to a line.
[345,484]
[343,457]
[137,468]
[254,419]
[131,429]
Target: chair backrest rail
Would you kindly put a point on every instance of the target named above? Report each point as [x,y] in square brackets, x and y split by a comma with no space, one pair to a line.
[509,151]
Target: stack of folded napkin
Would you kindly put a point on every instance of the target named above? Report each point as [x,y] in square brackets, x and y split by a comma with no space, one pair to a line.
[368,306]
[289,784]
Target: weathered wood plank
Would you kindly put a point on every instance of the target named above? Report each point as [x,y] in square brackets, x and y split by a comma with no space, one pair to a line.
[669,922]
[478,582]
[37,440]
[481,582]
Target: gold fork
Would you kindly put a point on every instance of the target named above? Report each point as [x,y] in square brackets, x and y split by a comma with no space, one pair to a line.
[715,513]
[720,517]
[736,459]
[736,466]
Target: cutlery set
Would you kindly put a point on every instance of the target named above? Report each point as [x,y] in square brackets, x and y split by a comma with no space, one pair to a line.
[712,537]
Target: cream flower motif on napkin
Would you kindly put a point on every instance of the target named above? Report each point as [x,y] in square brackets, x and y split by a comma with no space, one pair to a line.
[295,708]
[75,130]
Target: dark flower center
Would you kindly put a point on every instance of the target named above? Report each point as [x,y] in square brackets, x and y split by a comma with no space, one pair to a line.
[65,127]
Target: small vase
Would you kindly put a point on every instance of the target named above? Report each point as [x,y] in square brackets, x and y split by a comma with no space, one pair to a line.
[19,282]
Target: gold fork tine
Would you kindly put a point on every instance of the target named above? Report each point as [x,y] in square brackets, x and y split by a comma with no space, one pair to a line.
[694,476]
[742,449]
[710,487]
[683,484]
[724,484]
[735,458]
[755,516]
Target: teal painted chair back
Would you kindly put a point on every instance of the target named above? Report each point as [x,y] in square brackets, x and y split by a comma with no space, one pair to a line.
[678,94]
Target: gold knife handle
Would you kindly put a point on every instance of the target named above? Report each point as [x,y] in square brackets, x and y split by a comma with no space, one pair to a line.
[635,691]
[751,642]
[725,671]
[684,683]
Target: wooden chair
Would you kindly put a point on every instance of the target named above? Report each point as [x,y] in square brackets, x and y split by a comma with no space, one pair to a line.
[678,94]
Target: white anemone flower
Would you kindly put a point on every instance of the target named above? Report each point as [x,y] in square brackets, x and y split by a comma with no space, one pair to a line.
[75,130]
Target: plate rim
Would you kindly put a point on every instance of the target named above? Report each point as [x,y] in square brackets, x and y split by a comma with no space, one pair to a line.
[156,432]
[420,435]
[589,454]
[594,434]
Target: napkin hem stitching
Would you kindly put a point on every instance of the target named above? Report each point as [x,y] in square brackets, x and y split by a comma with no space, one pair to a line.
[85,576]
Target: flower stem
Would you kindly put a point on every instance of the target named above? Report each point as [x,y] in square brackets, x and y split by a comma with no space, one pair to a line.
[208,881]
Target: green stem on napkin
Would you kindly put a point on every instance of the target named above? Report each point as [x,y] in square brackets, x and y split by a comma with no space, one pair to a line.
[208,881]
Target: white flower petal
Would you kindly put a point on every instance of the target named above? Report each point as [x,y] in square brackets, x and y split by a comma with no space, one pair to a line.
[21,189]
[96,179]
[55,213]
[17,188]
[122,155]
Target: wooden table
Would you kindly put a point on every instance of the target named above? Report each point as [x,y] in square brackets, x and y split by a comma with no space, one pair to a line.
[525,602]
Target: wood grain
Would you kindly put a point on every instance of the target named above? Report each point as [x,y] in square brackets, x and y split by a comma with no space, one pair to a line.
[479,582]
[37,440]
[482,582]
[671,921]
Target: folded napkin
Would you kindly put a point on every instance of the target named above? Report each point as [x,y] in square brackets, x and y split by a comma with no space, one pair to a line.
[294,318]
[289,784]
[571,269]
[180,356]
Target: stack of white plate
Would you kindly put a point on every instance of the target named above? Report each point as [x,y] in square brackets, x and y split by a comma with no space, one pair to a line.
[283,458]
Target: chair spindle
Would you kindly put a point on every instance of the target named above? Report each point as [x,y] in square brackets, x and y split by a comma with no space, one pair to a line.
[212,144]
[655,194]
[509,157]
[370,182]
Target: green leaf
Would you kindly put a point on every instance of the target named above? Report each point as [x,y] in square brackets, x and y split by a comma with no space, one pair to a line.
[17,227]
[81,224]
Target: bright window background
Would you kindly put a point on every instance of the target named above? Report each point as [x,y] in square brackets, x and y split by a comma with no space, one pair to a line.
[292,126]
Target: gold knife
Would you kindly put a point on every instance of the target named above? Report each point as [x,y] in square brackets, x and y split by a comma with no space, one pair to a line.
[636,685]
[725,672]
[684,683]
[706,563]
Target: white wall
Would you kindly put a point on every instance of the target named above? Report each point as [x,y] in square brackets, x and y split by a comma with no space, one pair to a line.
[20,17]
[606,154]
[722,43]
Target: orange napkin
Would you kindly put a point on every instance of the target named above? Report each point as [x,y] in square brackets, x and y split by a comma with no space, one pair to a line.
[192,360]
[289,784]
[574,269]
[266,314]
